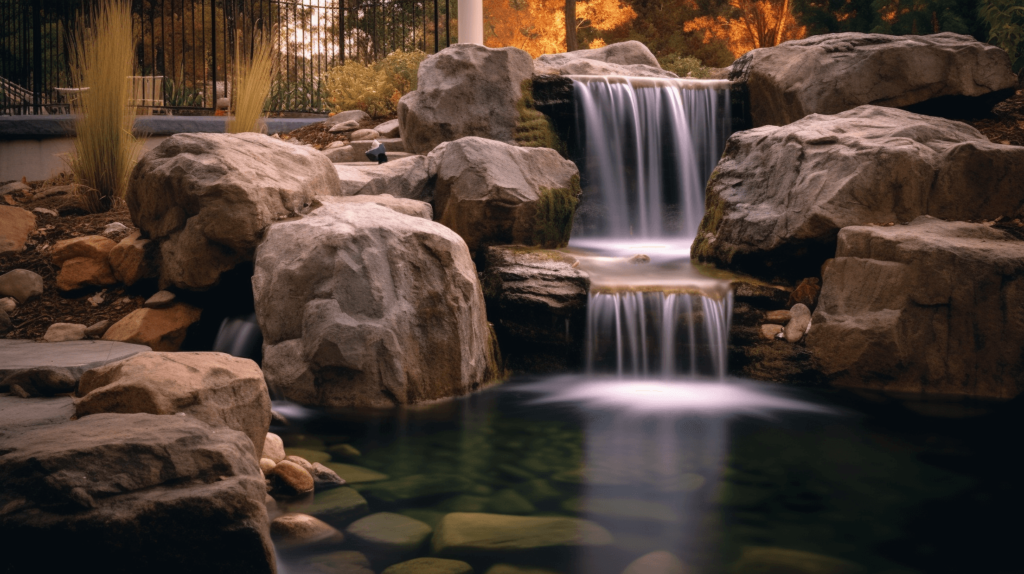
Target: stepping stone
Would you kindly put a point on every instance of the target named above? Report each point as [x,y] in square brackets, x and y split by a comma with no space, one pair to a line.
[388,536]
[337,507]
[309,454]
[466,535]
[18,413]
[355,474]
[430,566]
[75,356]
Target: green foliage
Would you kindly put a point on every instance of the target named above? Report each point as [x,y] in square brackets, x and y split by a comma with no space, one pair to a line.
[555,211]
[1005,19]
[178,94]
[373,88]
[684,66]
[105,148]
[533,128]
[302,95]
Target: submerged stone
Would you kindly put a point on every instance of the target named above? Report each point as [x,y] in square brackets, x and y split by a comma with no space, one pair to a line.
[430,566]
[491,536]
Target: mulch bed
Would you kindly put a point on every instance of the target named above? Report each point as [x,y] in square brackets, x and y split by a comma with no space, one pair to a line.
[318,136]
[1006,123]
[33,318]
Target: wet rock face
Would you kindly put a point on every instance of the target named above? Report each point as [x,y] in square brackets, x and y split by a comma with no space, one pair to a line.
[933,307]
[208,198]
[537,301]
[945,74]
[358,302]
[494,193]
[464,90]
[185,497]
[779,195]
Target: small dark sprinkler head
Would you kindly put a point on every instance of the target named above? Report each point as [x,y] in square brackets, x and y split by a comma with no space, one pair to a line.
[377,152]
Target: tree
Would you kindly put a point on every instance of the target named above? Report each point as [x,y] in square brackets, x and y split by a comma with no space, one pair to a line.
[541,26]
[570,26]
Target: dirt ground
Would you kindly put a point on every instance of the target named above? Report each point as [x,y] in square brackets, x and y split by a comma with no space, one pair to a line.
[32,318]
[1006,124]
[318,136]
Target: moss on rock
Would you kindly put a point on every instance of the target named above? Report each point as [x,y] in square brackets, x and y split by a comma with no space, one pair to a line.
[533,128]
[555,210]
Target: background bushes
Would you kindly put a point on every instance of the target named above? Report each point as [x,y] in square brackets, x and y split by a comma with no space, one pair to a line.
[374,88]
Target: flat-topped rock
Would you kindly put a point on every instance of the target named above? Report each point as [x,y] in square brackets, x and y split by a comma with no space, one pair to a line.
[388,537]
[17,414]
[76,356]
[413,207]
[337,507]
[780,195]
[932,307]
[405,178]
[941,74]
[465,535]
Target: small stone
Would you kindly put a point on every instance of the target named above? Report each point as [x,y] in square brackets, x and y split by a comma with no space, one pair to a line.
[59,332]
[509,501]
[160,300]
[780,317]
[294,530]
[770,330]
[340,562]
[325,478]
[355,474]
[132,258]
[798,324]
[388,129]
[273,448]
[96,300]
[160,329]
[430,566]
[292,477]
[44,211]
[344,127]
[344,451]
[21,284]
[97,329]
[660,562]
[364,135]
[8,304]
[338,506]
[114,227]
[14,187]
[807,292]
[389,535]
[306,466]
[18,391]
[639,258]
[267,465]
[45,381]
[16,225]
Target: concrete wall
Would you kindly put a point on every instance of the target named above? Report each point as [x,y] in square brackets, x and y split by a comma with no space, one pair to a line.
[37,159]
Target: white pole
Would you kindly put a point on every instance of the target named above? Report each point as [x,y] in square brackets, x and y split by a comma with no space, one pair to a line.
[471,22]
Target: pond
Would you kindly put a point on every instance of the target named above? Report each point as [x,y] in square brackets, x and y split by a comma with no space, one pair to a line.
[728,476]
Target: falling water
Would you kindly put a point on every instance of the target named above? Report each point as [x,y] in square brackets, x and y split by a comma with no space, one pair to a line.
[650,147]
[643,331]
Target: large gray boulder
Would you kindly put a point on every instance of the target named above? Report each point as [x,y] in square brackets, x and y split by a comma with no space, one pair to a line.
[207,199]
[363,306]
[537,300]
[933,306]
[780,194]
[492,193]
[215,388]
[941,74]
[629,58]
[464,90]
[408,177]
[132,493]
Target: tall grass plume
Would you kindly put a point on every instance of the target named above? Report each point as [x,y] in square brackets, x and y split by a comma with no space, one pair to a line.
[102,63]
[253,76]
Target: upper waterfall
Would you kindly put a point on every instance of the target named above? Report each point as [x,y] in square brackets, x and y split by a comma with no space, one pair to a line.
[650,145]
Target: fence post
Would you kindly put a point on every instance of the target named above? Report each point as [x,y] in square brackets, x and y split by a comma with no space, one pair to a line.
[213,50]
[37,56]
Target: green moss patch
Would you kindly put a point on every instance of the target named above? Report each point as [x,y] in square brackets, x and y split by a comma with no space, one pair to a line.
[533,128]
[555,210]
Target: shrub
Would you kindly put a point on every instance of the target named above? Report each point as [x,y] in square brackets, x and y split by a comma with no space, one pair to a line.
[1006,27]
[684,66]
[253,76]
[102,60]
[373,88]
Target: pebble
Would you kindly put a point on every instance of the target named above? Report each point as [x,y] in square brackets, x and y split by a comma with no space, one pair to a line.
[344,127]
[45,211]
[306,466]
[273,448]
[8,304]
[114,228]
[267,465]
[770,330]
[798,324]
[780,317]
[639,258]
[304,530]
[325,478]
[97,329]
[364,135]
[21,284]
[160,300]
[96,300]
[59,332]
[292,477]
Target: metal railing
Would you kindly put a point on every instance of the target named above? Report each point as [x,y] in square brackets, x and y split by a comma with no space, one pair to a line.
[186,49]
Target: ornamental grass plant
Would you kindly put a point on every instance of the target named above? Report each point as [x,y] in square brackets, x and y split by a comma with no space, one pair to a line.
[102,63]
[254,74]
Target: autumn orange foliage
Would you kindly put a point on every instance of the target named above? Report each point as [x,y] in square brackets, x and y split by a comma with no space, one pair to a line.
[756,24]
[538,26]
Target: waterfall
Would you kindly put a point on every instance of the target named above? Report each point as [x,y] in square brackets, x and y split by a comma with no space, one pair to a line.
[647,148]
[650,146]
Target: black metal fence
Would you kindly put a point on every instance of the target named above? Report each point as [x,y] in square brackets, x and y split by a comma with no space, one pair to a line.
[186,49]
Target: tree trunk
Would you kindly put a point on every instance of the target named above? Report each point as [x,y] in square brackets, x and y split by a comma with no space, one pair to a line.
[780,25]
[570,26]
